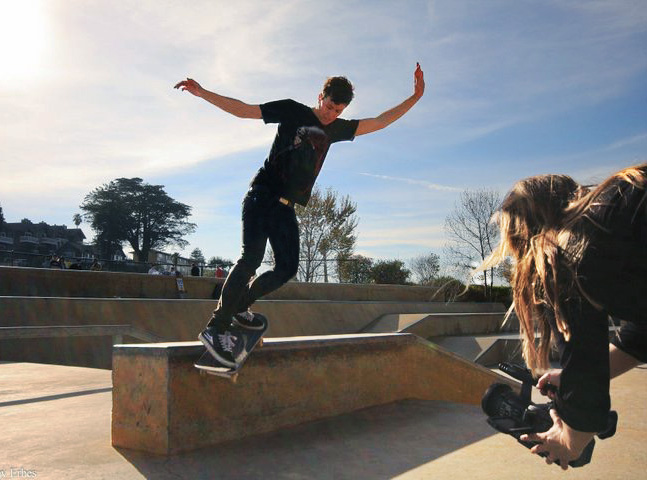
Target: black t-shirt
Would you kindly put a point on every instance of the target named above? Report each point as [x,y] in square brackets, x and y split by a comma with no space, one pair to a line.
[299,148]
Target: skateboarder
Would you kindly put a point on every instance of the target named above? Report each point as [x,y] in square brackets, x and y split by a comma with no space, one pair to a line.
[287,177]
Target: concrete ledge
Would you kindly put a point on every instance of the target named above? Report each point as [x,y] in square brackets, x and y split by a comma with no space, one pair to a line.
[163,405]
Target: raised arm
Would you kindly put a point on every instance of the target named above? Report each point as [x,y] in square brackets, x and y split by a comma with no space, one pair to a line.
[229,105]
[368,125]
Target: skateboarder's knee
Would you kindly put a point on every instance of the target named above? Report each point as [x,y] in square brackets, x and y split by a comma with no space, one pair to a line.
[249,263]
[287,271]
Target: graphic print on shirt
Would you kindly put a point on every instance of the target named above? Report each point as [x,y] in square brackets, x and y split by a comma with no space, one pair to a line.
[309,148]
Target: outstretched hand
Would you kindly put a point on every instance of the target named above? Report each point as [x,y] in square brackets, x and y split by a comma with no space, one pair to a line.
[418,82]
[190,86]
[560,442]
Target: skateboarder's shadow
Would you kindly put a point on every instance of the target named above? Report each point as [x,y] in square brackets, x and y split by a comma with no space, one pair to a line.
[377,442]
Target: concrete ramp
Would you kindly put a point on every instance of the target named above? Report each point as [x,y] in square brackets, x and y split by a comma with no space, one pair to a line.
[453,319]
[489,350]
[163,405]
[486,350]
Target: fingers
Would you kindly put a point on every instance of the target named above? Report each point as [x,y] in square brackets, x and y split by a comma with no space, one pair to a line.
[184,84]
[557,420]
[543,448]
[531,437]
[539,448]
[543,380]
[546,386]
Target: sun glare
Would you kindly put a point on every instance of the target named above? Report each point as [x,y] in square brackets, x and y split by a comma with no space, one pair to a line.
[23,40]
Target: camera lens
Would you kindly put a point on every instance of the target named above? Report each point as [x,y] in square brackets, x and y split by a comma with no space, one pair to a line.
[493,402]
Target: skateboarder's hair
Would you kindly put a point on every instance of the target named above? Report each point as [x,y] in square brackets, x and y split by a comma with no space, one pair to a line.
[546,227]
[339,89]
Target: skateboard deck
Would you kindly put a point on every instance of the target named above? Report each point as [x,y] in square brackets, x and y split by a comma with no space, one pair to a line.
[208,364]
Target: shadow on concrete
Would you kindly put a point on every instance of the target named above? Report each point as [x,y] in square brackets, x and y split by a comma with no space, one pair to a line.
[378,442]
[59,396]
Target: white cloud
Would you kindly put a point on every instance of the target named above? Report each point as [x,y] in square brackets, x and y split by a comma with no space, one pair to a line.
[410,181]
[418,236]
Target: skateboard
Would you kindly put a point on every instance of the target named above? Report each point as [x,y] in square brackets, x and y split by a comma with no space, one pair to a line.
[207,364]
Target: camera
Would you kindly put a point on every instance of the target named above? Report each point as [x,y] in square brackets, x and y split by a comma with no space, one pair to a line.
[516,415]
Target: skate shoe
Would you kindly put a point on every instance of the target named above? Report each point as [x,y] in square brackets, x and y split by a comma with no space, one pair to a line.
[223,342]
[248,320]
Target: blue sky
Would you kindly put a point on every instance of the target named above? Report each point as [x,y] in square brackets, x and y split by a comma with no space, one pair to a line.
[514,88]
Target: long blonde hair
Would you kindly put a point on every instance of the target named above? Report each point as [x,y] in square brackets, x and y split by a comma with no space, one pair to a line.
[546,227]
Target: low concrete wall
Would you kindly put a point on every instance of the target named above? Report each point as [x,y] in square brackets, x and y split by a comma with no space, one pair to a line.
[177,320]
[46,282]
[163,405]
[329,317]
[355,293]
[172,320]
[43,282]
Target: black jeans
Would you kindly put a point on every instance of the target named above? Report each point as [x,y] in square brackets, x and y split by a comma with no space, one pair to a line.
[264,218]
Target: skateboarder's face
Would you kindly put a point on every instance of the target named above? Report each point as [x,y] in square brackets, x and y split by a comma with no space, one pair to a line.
[327,110]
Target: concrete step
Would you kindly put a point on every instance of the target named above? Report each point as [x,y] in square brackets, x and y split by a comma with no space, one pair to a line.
[44,282]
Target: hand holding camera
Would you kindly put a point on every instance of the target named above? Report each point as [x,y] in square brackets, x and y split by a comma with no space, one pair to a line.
[534,424]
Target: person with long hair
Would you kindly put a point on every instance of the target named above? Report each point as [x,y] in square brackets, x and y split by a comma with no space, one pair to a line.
[580,257]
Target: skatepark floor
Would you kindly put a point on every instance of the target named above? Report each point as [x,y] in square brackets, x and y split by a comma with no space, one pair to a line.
[55,423]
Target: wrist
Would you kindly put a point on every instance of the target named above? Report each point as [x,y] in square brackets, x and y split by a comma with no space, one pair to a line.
[577,439]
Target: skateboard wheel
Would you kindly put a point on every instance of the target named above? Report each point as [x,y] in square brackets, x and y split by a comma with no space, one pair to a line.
[260,342]
[234,378]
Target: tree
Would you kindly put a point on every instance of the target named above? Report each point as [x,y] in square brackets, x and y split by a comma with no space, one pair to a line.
[326,228]
[77,219]
[448,289]
[108,215]
[197,255]
[128,210]
[355,269]
[219,262]
[471,234]
[426,268]
[390,271]
[2,220]
[505,270]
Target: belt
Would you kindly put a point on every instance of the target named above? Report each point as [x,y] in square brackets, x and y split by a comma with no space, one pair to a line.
[264,189]
[287,202]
